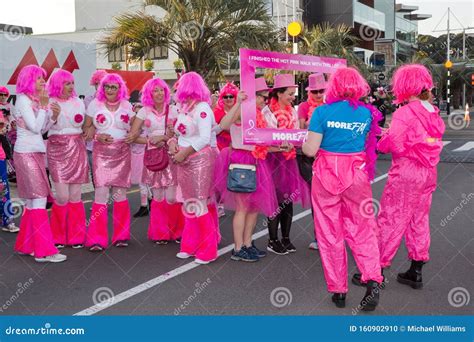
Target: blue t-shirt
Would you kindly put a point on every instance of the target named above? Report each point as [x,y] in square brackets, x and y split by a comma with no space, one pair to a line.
[344,128]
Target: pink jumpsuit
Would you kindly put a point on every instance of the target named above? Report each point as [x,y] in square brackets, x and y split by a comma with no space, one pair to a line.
[340,184]
[414,139]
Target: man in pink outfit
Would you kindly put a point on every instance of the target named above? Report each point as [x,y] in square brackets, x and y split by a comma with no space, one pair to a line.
[414,139]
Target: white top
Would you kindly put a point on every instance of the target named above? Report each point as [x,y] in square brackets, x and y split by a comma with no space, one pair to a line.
[116,124]
[237,139]
[195,127]
[70,119]
[272,122]
[154,122]
[429,107]
[31,124]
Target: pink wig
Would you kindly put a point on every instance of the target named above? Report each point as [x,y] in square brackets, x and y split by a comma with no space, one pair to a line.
[26,81]
[4,90]
[411,80]
[149,87]
[346,84]
[57,81]
[192,86]
[109,79]
[97,76]
[228,89]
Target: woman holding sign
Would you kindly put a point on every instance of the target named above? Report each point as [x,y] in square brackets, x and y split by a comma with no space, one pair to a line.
[290,186]
[342,136]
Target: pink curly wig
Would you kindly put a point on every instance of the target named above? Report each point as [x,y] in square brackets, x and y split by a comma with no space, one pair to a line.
[97,76]
[112,78]
[149,87]
[192,86]
[26,81]
[346,84]
[411,80]
[57,81]
[228,89]
[4,90]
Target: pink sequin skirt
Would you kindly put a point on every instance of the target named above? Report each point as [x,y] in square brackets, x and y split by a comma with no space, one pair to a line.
[161,179]
[67,159]
[111,164]
[32,181]
[137,167]
[196,175]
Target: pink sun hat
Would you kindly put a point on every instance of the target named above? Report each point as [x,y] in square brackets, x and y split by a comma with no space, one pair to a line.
[261,84]
[316,82]
[284,81]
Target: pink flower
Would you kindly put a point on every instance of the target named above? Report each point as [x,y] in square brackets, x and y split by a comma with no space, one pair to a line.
[78,118]
[100,118]
[125,118]
[147,123]
[181,129]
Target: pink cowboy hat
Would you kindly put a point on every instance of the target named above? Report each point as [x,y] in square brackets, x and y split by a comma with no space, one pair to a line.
[260,84]
[284,81]
[316,82]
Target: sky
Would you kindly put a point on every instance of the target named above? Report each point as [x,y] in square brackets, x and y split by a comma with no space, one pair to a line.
[39,14]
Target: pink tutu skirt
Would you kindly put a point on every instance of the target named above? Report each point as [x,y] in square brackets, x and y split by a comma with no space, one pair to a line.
[111,164]
[67,159]
[161,179]
[196,175]
[32,181]
[289,184]
[262,200]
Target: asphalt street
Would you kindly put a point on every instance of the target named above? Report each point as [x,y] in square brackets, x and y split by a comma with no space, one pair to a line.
[147,279]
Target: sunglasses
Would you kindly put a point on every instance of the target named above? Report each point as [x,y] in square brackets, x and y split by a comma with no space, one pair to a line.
[1,94]
[110,87]
[320,91]
[228,97]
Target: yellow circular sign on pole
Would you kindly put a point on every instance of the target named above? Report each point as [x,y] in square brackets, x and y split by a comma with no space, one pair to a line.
[294,28]
[448,64]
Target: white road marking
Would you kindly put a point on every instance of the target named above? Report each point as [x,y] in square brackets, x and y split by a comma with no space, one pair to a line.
[177,271]
[466,147]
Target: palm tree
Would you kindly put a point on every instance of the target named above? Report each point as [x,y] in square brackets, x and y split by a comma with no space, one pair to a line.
[327,40]
[200,32]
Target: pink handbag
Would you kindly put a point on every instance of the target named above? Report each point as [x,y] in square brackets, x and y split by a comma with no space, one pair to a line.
[157,158]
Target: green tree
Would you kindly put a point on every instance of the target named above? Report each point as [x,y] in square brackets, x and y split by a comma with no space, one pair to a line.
[200,32]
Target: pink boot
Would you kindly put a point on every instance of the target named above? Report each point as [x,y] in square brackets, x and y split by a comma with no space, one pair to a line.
[159,224]
[212,208]
[207,244]
[58,223]
[190,237]
[24,241]
[76,226]
[97,233]
[176,218]
[121,217]
[42,236]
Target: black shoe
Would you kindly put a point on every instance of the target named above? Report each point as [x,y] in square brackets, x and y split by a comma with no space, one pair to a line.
[178,241]
[161,242]
[142,212]
[339,299]
[412,277]
[276,247]
[59,246]
[49,205]
[288,245]
[357,280]
[371,297]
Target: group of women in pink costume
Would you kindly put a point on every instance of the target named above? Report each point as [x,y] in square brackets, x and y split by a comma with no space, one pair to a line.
[202,142]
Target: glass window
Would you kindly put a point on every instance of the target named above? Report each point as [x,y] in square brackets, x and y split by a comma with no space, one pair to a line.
[158,52]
